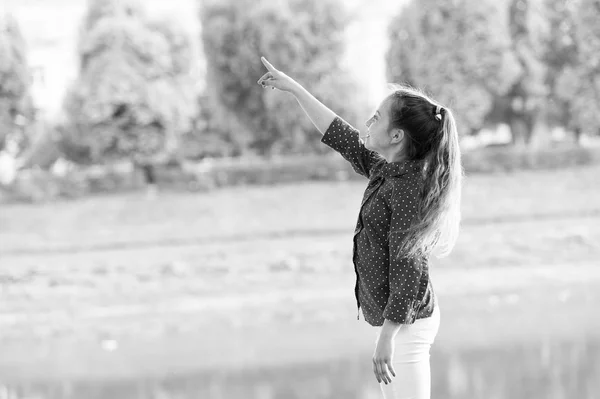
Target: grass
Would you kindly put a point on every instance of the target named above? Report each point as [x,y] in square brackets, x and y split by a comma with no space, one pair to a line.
[247,212]
[174,278]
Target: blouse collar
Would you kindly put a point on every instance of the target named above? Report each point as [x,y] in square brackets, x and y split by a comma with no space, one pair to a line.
[394,169]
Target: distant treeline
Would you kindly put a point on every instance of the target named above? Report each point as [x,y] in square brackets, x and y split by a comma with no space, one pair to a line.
[530,64]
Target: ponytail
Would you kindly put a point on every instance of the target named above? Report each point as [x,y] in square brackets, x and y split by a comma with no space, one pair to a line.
[436,225]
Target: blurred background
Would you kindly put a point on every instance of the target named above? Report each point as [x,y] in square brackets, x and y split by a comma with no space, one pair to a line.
[169,229]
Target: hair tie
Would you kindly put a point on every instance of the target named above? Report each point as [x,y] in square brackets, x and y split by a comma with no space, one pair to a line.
[438,112]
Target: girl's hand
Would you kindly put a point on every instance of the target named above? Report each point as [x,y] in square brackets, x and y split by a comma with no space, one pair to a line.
[275,78]
[382,360]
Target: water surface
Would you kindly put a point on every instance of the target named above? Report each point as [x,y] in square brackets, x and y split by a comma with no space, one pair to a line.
[546,370]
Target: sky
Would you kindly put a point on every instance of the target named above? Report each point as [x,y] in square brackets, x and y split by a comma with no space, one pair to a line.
[50,28]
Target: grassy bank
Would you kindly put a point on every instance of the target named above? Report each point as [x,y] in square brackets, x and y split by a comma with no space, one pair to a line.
[115,286]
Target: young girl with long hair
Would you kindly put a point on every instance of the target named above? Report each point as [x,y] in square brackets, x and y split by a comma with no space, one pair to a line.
[410,210]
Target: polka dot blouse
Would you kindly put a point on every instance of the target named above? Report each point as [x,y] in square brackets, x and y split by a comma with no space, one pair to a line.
[387,287]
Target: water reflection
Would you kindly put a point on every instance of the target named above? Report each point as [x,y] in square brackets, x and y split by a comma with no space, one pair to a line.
[544,370]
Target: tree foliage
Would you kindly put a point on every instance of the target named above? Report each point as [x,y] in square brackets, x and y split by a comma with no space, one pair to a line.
[559,52]
[15,100]
[458,51]
[304,38]
[577,84]
[134,95]
[523,106]
[520,62]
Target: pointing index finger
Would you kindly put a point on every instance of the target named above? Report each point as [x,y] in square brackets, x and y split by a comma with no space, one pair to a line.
[267,64]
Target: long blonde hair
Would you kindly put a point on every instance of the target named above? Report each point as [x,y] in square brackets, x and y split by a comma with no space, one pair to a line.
[433,138]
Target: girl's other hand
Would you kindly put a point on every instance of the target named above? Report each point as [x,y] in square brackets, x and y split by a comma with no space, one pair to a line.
[382,360]
[275,78]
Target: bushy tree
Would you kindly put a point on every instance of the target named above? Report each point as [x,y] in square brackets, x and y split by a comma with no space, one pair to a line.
[559,52]
[524,105]
[15,101]
[134,95]
[457,51]
[577,85]
[209,137]
[301,37]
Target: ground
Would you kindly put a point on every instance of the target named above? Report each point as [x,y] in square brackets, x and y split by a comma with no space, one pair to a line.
[261,276]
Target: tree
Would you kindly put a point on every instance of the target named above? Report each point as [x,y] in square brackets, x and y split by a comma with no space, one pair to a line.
[458,51]
[559,52]
[577,85]
[15,101]
[524,103]
[303,38]
[134,95]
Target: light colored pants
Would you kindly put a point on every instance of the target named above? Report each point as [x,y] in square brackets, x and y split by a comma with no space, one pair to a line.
[411,359]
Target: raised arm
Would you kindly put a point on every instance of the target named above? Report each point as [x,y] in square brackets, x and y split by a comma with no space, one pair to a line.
[337,133]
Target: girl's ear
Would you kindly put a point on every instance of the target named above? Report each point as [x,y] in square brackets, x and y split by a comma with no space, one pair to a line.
[397,135]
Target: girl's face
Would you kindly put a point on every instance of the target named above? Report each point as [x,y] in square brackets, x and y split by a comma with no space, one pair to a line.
[378,138]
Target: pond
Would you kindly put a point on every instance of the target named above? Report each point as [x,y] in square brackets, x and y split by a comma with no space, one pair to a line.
[546,370]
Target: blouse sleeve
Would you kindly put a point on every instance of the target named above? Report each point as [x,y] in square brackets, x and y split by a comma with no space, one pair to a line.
[344,138]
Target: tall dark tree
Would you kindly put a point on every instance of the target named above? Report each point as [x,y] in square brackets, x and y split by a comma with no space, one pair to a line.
[524,103]
[134,95]
[303,38]
[458,51]
[15,100]
[578,83]
[560,52]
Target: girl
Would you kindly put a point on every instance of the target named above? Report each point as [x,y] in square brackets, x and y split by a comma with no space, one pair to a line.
[411,207]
